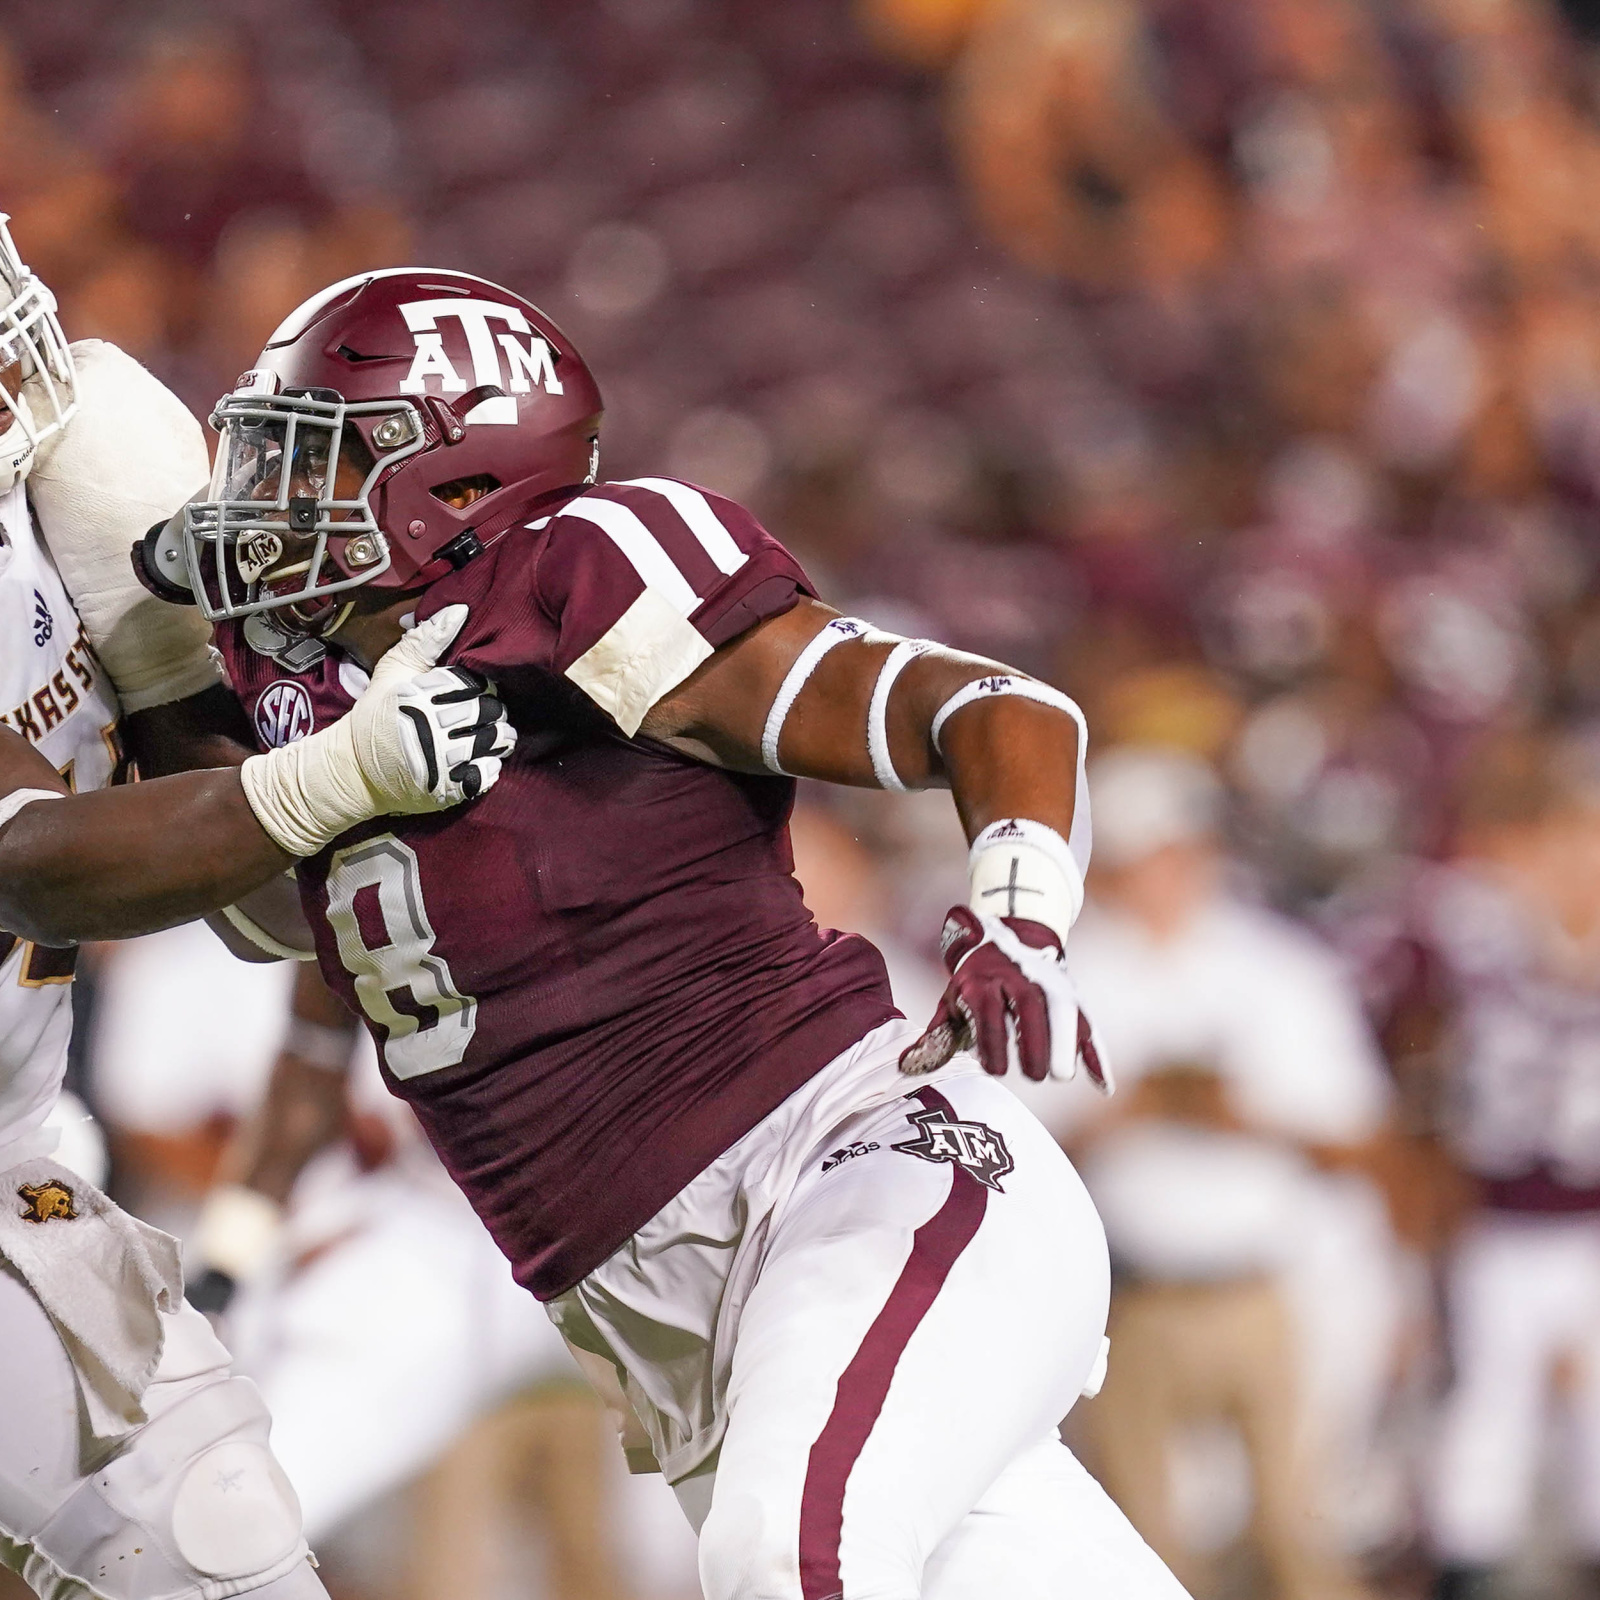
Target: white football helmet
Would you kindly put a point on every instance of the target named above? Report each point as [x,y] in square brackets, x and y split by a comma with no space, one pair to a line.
[31,340]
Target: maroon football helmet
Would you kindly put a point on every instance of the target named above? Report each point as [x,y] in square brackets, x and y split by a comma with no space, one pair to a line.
[375,405]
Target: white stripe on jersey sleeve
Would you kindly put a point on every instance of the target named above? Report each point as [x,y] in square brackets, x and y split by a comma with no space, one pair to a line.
[703,522]
[625,530]
[645,654]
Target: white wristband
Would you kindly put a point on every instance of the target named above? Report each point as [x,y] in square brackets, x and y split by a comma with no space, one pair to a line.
[835,632]
[898,659]
[238,1230]
[1021,868]
[387,754]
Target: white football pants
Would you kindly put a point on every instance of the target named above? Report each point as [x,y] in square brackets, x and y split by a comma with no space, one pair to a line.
[853,1337]
[190,1506]
[1524,1298]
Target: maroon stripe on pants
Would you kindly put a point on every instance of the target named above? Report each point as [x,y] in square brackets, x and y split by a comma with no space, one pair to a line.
[864,1384]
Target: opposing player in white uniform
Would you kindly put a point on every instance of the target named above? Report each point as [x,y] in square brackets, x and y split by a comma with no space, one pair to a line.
[133,1466]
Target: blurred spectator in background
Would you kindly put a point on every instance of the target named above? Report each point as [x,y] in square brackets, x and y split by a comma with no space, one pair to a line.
[365,1277]
[1074,163]
[1247,1083]
[1514,924]
[181,1044]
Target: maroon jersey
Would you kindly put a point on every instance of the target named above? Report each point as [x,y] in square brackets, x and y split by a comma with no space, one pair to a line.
[593,980]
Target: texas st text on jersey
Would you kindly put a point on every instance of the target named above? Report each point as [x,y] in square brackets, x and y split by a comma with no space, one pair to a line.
[61,693]
[55,694]
[52,691]
[593,980]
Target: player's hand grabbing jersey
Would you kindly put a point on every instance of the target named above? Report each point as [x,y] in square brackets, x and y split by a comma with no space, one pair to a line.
[595,979]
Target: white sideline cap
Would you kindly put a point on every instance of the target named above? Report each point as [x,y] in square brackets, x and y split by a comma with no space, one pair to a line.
[1144,797]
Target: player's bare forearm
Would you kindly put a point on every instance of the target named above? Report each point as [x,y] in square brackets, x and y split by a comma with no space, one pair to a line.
[1002,757]
[1012,758]
[303,1110]
[205,731]
[124,861]
[815,695]
[278,929]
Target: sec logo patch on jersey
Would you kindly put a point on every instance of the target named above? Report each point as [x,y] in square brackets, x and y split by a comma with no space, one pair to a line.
[283,713]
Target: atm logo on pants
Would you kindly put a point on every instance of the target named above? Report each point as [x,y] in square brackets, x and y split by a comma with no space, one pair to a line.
[973,1146]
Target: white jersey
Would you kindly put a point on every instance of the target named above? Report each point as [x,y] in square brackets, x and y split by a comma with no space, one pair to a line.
[56,695]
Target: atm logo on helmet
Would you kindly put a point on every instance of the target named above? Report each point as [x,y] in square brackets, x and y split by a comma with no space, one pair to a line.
[499,357]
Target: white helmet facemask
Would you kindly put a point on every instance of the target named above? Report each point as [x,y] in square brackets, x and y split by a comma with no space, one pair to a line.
[31,341]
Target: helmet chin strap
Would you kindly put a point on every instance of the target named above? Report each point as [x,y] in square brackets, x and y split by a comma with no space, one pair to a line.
[25,433]
[340,620]
[316,625]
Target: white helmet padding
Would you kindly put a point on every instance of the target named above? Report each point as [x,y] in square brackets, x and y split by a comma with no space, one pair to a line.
[30,337]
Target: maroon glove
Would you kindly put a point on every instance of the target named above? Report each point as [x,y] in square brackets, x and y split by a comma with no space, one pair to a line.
[1010,1000]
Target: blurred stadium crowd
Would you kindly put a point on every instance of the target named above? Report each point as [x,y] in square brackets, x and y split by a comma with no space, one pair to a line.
[1235,364]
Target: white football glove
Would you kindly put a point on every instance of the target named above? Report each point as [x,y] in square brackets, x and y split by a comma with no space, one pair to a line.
[421,738]
[130,456]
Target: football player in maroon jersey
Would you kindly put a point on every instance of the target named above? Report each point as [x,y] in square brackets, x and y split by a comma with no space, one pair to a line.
[848,1285]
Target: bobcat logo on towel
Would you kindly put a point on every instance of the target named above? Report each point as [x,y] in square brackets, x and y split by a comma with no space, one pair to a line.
[974,1146]
[49,1200]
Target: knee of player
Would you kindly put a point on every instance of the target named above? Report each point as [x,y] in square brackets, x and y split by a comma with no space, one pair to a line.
[235,1513]
[748,1549]
[195,1491]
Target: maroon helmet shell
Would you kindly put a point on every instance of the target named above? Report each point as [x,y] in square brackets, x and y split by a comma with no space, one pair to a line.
[439,337]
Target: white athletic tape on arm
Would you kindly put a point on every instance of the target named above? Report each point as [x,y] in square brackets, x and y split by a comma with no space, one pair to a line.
[1000,684]
[1021,868]
[18,798]
[835,632]
[238,1230]
[1080,841]
[901,657]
